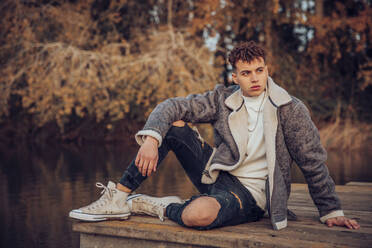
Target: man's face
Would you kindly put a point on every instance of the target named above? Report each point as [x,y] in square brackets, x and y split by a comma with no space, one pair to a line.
[252,77]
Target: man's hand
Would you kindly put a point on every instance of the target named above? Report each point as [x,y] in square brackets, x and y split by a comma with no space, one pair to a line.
[342,221]
[147,156]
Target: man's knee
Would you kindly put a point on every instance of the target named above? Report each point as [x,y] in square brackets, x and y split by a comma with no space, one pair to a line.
[201,212]
[177,129]
[179,123]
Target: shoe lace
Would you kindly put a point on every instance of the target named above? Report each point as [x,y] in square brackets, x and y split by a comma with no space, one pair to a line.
[107,194]
[106,189]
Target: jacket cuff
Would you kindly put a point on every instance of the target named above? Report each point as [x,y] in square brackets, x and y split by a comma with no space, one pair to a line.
[141,136]
[280,225]
[332,214]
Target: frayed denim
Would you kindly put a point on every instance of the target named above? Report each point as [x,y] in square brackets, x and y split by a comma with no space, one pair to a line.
[237,203]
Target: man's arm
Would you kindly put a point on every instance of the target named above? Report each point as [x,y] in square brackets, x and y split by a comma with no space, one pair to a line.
[303,143]
[194,108]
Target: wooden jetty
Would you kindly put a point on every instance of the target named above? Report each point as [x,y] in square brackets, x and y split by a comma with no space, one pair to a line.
[306,231]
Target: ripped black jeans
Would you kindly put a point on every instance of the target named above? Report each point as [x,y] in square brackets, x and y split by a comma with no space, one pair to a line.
[237,204]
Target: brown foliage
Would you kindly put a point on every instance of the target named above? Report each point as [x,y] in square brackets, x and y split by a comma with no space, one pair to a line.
[76,74]
[72,62]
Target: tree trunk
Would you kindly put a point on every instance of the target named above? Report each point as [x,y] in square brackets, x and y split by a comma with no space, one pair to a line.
[319,8]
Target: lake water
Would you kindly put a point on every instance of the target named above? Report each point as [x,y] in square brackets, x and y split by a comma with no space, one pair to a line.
[40,185]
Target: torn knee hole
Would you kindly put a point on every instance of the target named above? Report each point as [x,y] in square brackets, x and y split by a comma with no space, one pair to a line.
[179,123]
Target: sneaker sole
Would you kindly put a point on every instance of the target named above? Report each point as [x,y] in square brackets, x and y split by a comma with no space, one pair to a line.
[98,217]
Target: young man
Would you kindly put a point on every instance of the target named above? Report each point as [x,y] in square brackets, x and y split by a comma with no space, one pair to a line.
[259,130]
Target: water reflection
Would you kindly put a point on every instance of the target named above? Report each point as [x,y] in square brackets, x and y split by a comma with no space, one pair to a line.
[40,185]
[344,167]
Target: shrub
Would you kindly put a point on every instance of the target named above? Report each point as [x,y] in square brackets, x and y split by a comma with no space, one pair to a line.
[73,72]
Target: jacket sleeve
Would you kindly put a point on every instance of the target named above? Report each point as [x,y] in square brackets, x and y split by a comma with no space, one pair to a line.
[195,108]
[303,142]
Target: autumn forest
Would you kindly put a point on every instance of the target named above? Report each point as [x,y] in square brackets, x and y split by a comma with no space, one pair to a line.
[71,68]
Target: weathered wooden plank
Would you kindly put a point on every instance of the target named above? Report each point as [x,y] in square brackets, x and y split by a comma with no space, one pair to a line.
[339,188]
[348,200]
[300,231]
[307,231]
[364,184]
[297,233]
[347,195]
[94,241]
[303,212]
[346,204]
[176,234]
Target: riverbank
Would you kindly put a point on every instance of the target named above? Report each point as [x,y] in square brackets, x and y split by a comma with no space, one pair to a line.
[87,131]
[346,135]
[338,135]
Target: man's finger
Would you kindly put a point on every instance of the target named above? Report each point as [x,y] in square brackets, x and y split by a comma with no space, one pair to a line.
[144,167]
[140,164]
[348,224]
[156,163]
[355,224]
[329,223]
[150,168]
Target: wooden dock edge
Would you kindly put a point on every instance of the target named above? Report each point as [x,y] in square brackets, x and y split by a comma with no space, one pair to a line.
[140,231]
[146,231]
[364,184]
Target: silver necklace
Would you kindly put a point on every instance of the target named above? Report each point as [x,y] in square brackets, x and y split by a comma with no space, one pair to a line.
[258,114]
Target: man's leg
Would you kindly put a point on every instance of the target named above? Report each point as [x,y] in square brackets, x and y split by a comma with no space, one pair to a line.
[192,153]
[228,203]
[222,202]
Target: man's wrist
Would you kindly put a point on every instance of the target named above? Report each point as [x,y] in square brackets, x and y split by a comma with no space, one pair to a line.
[152,140]
[333,214]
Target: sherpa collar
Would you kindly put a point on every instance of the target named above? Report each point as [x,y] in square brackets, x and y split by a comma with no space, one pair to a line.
[277,95]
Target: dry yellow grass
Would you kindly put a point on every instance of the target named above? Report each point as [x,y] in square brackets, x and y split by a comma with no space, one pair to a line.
[346,135]
[63,78]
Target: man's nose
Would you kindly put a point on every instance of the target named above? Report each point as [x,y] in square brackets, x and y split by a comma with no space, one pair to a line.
[254,77]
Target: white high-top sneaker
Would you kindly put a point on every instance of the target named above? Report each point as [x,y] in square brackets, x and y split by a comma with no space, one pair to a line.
[111,205]
[154,206]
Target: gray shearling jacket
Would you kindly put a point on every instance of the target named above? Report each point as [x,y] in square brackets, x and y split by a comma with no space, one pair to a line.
[289,135]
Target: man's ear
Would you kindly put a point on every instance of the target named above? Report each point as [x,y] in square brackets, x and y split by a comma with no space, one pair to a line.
[234,77]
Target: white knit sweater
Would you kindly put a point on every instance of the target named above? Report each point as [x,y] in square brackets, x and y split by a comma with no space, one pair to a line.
[253,172]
